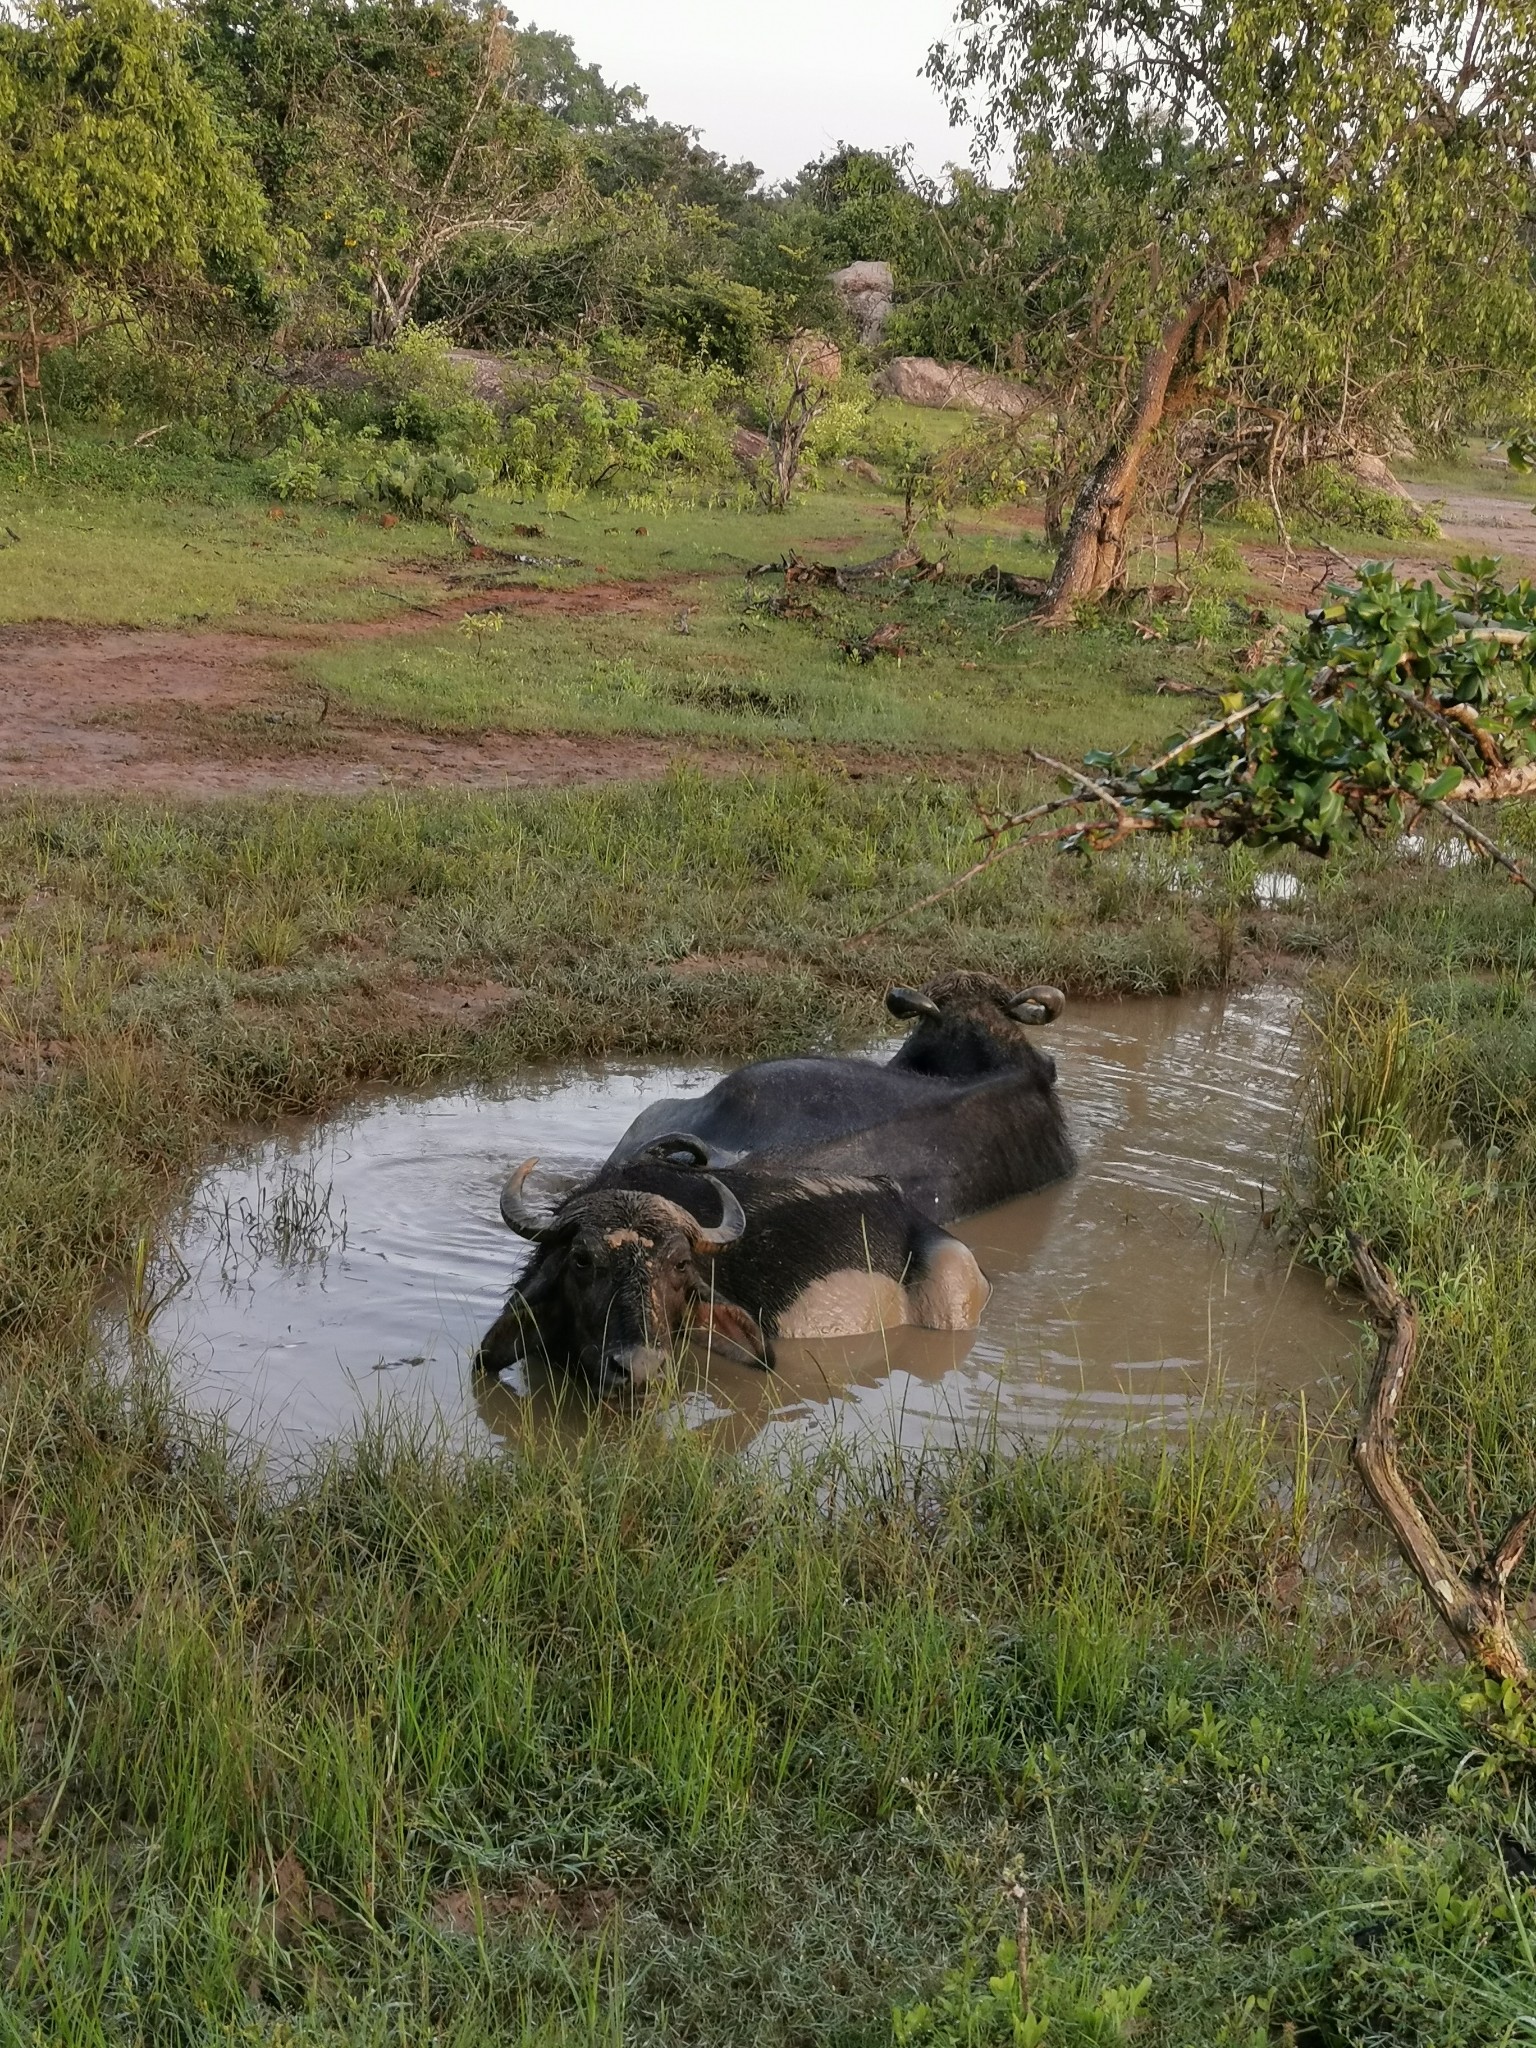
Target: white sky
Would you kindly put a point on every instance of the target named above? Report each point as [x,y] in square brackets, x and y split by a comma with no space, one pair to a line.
[776,81]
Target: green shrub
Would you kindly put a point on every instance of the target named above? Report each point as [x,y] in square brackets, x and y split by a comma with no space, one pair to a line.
[322,463]
[422,395]
[713,319]
[1331,497]
[1001,2011]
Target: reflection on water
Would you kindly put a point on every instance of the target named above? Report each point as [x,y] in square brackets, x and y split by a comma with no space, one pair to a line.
[357,1262]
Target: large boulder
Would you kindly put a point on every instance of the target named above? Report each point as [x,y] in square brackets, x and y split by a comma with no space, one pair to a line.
[1368,468]
[813,355]
[868,292]
[919,380]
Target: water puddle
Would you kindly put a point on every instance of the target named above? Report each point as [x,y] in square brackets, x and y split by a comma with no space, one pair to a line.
[355,1263]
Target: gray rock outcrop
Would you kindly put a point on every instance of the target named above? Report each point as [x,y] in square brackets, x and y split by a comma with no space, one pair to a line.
[868,292]
[919,380]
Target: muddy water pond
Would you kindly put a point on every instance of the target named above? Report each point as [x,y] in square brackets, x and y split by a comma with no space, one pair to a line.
[352,1265]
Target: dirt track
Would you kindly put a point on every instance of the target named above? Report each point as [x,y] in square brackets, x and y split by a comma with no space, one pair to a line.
[166,713]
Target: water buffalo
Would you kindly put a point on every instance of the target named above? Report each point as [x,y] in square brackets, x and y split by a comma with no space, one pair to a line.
[963,1116]
[650,1252]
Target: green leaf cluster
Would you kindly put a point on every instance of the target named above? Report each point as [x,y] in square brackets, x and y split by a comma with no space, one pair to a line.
[117,177]
[1390,695]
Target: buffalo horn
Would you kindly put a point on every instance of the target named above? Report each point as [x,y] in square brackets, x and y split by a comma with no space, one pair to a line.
[910,1002]
[664,1150]
[1041,1005]
[517,1214]
[732,1224]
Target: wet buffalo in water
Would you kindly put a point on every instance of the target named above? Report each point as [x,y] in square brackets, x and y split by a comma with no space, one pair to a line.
[963,1116]
[654,1251]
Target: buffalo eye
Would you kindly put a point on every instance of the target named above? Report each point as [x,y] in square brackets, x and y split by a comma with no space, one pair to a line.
[581,1258]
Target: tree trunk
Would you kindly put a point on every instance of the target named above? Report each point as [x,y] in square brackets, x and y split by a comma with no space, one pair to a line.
[1092,557]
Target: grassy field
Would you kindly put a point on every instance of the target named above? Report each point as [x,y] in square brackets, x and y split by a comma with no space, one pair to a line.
[623,1740]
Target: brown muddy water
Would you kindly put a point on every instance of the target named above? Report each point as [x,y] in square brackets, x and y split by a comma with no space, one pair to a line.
[350,1266]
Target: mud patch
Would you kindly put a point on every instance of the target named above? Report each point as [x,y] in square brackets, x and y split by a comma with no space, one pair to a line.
[177,714]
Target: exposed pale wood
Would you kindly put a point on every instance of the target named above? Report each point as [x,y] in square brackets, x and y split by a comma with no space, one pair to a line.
[1471,1604]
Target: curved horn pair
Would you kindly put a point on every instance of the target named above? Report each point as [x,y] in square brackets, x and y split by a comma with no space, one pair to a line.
[1040,1005]
[519,1215]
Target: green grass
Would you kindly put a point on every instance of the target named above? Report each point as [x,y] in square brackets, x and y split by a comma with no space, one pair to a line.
[738,671]
[629,1740]
[615,1738]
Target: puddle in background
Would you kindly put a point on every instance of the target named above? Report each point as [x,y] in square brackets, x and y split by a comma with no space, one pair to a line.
[359,1261]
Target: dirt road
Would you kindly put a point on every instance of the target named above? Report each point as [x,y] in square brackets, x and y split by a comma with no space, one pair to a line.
[195,714]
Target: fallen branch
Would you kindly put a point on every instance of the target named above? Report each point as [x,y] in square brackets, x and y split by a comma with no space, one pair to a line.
[1472,1605]
[1207,732]
[1495,788]
[1482,842]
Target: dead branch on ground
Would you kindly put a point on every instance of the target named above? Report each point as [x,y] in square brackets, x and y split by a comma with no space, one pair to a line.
[1472,1604]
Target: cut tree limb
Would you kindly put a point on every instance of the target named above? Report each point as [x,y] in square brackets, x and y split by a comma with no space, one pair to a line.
[1471,1604]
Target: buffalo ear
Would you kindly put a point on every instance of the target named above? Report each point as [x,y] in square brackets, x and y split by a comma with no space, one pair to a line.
[516,1331]
[729,1332]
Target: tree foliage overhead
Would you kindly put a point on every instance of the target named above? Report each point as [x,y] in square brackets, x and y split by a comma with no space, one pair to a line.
[392,132]
[117,181]
[1246,189]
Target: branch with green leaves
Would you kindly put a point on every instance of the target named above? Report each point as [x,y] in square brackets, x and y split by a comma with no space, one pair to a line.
[1394,699]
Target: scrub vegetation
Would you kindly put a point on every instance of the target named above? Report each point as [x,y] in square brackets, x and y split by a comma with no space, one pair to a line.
[398,345]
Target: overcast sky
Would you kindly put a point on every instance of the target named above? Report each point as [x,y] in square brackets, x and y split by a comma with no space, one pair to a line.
[778,81]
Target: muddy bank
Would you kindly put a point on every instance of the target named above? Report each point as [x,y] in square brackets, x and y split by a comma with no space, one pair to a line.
[207,714]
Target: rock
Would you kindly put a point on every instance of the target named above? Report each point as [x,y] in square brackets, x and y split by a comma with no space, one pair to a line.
[919,380]
[485,374]
[1372,471]
[814,356]
[868,292]
[747,445]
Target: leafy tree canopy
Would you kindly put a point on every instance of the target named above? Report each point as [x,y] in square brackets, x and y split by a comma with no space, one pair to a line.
[391,132]
[1246,193]
[117,180]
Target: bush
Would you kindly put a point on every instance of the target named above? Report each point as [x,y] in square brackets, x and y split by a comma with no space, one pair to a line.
[1331,497]
[568,433]
[422,395]
[323,463]
[712,319]
[127,378]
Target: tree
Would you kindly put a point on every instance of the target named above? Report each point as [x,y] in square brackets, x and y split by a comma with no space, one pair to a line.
[118,184]
[1223,150]
[393,133]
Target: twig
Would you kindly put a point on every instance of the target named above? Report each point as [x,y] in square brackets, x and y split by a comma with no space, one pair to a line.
[988,861]
[1123,822]
[1018,818]
[1482,842]
[140,440]
[1208,732]
[1472,1605]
